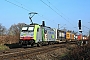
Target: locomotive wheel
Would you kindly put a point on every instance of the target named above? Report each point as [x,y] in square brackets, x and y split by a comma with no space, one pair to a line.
[32,44]
[39,45]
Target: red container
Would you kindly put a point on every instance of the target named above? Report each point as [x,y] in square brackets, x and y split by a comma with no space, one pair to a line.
[80,37]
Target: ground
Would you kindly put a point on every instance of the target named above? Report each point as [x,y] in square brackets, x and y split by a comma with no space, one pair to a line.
[52,55]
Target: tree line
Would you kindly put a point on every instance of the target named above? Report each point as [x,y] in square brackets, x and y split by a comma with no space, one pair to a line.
[13,30]
[11,35]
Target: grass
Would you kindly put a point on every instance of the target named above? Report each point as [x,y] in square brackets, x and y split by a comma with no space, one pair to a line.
[3,47]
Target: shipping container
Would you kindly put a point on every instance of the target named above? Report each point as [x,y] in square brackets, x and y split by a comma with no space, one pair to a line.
[68,34]
[79,37]
[72,36]
[60,35]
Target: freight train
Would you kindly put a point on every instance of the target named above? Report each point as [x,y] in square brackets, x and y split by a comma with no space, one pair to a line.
[41,34]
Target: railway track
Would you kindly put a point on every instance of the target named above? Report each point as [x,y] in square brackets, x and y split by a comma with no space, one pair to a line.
[20,52]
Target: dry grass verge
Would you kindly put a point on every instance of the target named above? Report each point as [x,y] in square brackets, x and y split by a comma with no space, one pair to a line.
[8,39]
[78,53]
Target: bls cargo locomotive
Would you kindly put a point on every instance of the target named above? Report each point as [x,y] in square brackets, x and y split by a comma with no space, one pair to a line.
[36,34]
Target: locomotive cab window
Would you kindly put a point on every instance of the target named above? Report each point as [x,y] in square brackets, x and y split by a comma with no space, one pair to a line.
[24,28]
[30,29]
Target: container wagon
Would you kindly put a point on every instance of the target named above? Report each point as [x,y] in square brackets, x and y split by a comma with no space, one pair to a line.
[60,35]
[71,37]
[68,36]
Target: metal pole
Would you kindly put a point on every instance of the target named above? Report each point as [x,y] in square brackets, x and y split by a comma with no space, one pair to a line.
[89,34]
[58,26]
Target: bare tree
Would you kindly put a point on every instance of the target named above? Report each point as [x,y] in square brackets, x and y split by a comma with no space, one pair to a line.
[2,30]
[15,29]
[14,32]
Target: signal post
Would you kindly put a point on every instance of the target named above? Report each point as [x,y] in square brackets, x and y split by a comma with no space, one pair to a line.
[80,38]
[81,42]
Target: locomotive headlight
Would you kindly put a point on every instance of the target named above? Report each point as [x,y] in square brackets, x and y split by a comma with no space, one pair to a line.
[21,37]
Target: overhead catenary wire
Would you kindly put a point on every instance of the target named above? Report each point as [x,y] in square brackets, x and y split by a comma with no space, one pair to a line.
[55,11]
[32,9]
[59,11]
[25,8]
[22,4]
[17,5]
[56,8]
[86,27]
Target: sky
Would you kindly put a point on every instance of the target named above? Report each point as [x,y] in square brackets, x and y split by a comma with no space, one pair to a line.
[53,12]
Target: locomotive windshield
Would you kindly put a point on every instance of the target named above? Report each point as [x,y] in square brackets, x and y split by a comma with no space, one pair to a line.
[24,28]
[28,28]
[31,29]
